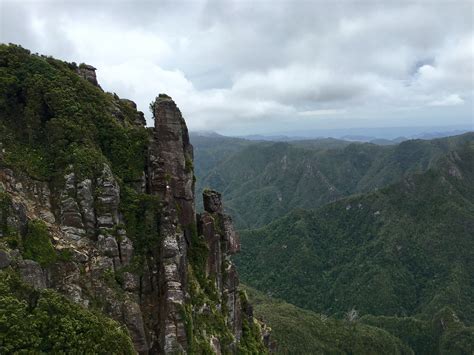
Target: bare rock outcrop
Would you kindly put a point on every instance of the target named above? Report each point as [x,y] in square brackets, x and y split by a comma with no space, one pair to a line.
[88,72]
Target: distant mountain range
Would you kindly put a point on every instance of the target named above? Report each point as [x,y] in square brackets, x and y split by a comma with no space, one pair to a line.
[376,135]
[262,181]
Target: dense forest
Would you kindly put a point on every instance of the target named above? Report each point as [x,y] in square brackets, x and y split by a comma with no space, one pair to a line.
[396,246]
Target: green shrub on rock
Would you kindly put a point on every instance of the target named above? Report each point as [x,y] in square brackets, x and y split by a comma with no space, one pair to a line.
[37,244]
[45,322]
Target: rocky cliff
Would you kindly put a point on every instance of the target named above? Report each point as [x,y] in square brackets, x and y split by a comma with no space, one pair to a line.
[101,210]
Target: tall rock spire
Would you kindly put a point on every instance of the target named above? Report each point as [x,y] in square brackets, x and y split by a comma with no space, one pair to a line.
[170,177]
[171,167]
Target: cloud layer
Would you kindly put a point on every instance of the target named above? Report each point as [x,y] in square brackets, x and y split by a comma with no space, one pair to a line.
[260,66]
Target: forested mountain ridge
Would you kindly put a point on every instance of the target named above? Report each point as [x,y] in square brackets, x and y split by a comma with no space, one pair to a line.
[402,256]
[101,250]
[264,181]
[212,149]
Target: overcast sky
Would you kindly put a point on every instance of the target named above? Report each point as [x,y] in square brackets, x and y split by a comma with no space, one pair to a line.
[242,67]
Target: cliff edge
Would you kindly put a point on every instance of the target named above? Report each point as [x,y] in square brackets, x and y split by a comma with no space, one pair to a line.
[100,209]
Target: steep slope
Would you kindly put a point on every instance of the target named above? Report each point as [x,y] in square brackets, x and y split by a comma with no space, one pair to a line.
[265,181]
[100,209]
[404,250]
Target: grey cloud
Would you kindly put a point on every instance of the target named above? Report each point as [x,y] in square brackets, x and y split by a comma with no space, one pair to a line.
[234,65]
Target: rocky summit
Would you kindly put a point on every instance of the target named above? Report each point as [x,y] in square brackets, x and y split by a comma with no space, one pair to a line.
[98,212]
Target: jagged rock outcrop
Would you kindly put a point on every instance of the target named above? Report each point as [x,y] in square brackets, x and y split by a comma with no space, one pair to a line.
[126,110]
[222,241]
[139,117]
[120,243]
[88,72]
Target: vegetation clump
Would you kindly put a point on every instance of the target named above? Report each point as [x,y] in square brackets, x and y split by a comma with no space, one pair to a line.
[37,244]
[34,321]
[8,233]
[51,118]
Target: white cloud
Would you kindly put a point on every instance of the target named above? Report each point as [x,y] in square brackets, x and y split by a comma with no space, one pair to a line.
[453,66]
[451,100]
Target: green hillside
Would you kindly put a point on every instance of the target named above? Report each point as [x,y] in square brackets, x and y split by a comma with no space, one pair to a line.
[51,118]
[405,250]
[299,331]
[265,181]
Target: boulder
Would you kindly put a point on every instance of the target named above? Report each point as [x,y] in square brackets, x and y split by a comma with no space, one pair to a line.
[5,259]
[212,201]
[88,72]
[32,273]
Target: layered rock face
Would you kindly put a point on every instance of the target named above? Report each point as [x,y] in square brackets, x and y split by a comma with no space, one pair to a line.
[143,282]
[86,223]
